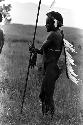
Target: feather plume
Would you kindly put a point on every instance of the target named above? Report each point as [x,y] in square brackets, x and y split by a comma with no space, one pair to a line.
[70,61]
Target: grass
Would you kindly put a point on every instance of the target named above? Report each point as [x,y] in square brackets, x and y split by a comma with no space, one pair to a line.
[14,64]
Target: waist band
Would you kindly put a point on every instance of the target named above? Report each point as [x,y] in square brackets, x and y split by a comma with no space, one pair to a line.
[54,50]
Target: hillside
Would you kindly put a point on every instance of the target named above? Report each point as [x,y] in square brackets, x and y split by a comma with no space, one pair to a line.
[25,33]
[20,31]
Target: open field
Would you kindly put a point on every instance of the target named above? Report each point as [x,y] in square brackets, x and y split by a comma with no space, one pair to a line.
[13,69]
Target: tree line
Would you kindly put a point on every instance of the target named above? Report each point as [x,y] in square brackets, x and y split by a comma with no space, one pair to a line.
[5,11]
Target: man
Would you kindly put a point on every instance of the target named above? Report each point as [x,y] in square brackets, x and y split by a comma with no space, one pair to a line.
[51,51]
[1,36]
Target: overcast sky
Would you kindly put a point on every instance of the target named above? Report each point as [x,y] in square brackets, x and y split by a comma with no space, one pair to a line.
[74,6]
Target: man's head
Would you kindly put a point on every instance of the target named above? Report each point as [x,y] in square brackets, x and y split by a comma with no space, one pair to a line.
[54,19]
[0,17]
[49,24]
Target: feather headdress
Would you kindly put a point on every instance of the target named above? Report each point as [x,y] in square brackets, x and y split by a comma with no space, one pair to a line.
[70,61]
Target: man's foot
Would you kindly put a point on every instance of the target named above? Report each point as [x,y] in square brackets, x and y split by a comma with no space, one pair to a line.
[52,109]
[47,105]
[48,109]
[45,109]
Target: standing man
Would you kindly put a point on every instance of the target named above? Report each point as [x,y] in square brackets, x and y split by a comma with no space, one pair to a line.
[51,51]
[1,36]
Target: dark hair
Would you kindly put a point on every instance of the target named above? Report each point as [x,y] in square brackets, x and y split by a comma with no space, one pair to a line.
[49,20]
[0,17]
[57,16]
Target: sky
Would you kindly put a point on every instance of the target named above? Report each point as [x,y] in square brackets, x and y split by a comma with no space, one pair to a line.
[74,6]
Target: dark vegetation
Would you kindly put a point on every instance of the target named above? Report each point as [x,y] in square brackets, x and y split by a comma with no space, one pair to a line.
[14,62]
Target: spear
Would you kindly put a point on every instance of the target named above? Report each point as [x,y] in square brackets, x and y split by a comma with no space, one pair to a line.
[30,59]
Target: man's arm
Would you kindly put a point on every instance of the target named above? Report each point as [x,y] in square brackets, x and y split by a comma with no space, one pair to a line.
[44,46]
[47,42]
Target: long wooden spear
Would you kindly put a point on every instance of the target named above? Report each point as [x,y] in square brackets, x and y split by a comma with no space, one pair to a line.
[23,98]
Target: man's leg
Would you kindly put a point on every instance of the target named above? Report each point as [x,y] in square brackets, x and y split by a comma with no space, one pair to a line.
[48,85]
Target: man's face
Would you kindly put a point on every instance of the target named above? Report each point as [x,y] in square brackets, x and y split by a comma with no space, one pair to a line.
[49,24]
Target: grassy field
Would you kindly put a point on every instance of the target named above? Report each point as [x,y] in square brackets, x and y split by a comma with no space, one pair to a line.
[13,66]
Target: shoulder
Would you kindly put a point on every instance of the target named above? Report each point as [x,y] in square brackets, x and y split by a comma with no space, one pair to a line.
[58,32]
[54,34]
[51,35]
